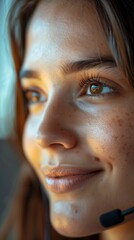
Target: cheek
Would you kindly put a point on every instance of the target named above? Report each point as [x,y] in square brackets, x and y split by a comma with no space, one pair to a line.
[30,148]
[111,138]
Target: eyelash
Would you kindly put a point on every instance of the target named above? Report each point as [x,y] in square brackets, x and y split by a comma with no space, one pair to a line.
[88,77]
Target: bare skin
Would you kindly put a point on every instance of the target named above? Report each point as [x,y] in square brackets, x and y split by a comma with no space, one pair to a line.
[79,118]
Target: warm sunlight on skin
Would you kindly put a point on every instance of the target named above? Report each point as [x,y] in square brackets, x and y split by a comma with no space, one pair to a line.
[81,117]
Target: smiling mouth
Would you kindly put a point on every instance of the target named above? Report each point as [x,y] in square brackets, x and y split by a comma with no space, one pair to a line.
[63,179]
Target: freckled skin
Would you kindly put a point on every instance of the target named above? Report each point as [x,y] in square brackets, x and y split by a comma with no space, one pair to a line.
[90,132]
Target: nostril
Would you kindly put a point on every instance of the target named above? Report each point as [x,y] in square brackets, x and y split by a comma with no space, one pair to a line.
[45,143]
[62,140]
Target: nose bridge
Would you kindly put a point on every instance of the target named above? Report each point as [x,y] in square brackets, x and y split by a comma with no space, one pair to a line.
[54,126]
[55,111]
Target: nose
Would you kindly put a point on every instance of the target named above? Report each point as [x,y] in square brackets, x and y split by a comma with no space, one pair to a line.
[55,128]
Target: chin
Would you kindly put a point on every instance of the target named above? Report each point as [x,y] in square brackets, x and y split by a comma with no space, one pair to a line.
[74,217]
[73,228]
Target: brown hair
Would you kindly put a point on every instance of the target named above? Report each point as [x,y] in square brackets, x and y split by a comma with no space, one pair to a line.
[117,19]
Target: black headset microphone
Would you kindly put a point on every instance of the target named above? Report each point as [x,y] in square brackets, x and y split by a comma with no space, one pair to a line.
[114,217]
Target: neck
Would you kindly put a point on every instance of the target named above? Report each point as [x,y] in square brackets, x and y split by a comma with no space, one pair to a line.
[123,231]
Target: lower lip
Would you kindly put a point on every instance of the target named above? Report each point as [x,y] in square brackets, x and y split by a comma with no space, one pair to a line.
[68,183]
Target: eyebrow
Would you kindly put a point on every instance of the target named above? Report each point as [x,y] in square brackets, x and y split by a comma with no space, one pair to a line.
[88,64]
[68,68]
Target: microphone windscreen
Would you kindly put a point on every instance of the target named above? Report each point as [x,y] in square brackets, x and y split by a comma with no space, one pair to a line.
[111,218]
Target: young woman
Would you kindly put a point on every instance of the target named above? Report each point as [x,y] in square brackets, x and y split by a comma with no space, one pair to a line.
[75,66]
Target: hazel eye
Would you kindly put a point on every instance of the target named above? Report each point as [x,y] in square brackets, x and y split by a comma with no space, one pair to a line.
[34,97]
[95,88]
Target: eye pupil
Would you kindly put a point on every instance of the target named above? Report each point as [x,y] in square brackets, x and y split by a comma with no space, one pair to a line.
[33,96]
[95,88]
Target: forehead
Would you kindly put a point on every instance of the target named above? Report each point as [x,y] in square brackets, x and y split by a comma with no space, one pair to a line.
[66,28]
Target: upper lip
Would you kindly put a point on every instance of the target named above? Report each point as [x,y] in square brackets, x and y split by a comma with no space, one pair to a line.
[56,172]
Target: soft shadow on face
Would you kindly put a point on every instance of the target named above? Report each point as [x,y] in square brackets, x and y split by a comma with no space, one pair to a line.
[70,126]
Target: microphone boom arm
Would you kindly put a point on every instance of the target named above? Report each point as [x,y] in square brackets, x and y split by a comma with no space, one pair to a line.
[114,217]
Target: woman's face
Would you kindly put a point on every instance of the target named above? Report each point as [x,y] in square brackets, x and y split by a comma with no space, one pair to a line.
[79,132]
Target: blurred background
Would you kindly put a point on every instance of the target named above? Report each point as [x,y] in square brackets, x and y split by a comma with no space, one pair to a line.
[10,156]
[10,162]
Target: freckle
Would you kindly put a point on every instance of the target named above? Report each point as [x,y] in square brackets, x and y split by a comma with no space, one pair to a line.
[127,114]
[130,126]
[127,154]
[115,137]
[120,122]
[97,159]
[111,158]
[74,208]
